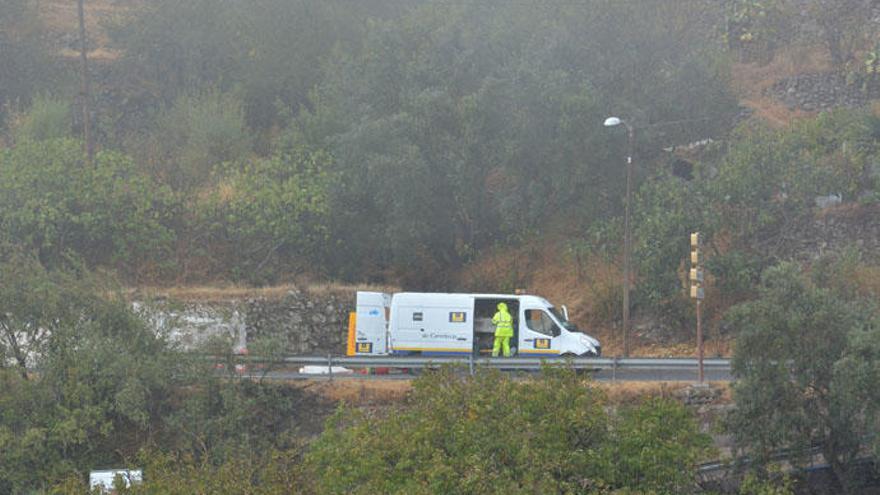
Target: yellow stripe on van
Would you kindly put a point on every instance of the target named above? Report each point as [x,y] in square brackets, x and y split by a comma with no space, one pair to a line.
[352,329]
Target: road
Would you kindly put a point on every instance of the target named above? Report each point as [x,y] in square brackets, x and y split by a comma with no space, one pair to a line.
[602,369]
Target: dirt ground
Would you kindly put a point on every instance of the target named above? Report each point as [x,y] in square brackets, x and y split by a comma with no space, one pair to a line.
[371,392]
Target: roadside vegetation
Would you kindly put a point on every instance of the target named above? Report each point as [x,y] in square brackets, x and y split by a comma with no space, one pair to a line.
[88,383]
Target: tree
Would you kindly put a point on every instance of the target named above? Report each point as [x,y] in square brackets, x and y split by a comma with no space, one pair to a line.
[85,93]
[750,197]
[111,213]
[91,380]
[27,66]
[801,352]
[461,126]
[844,25]
[86,382]
[272,50]
[257,473]
[33,304]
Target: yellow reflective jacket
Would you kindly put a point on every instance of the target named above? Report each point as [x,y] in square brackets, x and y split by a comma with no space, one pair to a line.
[503,322]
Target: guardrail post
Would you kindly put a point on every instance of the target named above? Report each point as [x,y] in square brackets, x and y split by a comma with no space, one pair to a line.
[330,366]
[614,370]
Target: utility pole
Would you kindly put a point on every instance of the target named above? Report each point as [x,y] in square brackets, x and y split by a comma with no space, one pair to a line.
[85,90]
[627,237]
[627,242]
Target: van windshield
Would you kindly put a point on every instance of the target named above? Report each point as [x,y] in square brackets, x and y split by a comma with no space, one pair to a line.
[565,323]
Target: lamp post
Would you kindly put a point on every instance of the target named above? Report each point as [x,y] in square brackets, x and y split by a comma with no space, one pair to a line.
[614,122]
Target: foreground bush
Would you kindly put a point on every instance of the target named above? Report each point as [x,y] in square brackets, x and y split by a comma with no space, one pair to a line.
[493,434]
[255,473]
[807,365]
[83,381]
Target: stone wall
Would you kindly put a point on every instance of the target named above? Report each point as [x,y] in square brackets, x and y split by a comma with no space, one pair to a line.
[821,91]
[831,230]
[309,323]
[842,227]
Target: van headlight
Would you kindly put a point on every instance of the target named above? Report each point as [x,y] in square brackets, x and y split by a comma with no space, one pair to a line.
[589,342]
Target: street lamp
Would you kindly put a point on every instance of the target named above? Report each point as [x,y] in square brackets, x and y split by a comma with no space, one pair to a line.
[614,122]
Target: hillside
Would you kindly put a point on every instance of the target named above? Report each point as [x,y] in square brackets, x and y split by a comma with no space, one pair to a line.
[433,151]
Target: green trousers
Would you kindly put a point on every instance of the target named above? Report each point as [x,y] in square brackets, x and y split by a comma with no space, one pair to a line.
[499,343]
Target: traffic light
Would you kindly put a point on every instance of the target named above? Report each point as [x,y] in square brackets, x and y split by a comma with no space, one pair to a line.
[696,276]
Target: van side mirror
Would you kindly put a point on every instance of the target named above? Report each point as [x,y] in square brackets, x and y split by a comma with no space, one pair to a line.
[565,312]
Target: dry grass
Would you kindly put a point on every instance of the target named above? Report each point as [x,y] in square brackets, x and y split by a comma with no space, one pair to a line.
[867,281]
[360,392]
[714,347]
[382,392]
[750,80]
[331,288]
[850,212]
[209,293]
[775,113]
[60,16]
[100,54]
[632,392]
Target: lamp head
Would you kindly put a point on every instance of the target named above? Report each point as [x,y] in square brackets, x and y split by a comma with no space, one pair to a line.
[612,121]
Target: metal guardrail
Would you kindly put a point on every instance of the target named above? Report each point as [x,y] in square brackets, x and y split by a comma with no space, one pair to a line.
[708,468]
[513,363]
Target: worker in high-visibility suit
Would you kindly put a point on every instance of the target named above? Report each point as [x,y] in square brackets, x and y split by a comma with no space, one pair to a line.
[503,330]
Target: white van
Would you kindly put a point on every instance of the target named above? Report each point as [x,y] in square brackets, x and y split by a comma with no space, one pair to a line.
[432,324]
[103,481]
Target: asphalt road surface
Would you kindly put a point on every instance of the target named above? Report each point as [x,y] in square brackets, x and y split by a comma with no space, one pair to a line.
[645,375]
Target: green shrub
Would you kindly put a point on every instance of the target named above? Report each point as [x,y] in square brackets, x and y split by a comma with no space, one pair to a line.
[751,485]
[664,217]
[736,272]
[756,28]
[199,132]
[110,213]
[47,118]
[270,211]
